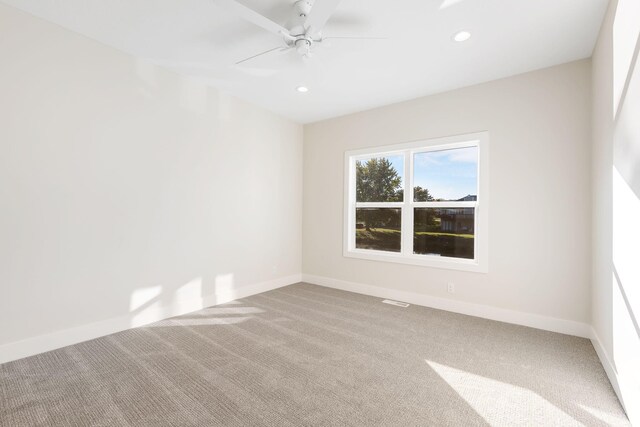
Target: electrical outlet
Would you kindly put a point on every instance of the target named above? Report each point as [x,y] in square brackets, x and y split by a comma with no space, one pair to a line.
[451,288]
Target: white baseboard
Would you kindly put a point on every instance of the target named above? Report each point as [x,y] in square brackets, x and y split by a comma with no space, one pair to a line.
[606,363]
[537,321]
[39,344]
[628,394]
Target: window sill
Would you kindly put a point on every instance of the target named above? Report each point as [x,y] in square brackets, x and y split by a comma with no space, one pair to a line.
[420,260]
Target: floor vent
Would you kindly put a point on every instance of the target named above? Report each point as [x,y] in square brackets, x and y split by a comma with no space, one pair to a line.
[399,304]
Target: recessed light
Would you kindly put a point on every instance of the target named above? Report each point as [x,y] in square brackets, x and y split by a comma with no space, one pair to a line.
[461,36]
[302,89]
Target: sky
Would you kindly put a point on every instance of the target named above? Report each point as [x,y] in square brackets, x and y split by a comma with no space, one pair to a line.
[447,174]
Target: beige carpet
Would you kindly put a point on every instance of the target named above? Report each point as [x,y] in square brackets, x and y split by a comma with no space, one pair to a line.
[305,355]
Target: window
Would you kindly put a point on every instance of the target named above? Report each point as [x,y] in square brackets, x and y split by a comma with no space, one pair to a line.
[422,203]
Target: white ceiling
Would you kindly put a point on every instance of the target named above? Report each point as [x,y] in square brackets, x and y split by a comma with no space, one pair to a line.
[198,38]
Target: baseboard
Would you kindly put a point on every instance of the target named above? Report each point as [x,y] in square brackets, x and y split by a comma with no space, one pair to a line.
[562,326]
[606,363]
[627,394]
[40,344]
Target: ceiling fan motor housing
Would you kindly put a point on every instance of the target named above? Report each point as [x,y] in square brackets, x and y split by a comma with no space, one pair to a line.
[303,46]
[302,8]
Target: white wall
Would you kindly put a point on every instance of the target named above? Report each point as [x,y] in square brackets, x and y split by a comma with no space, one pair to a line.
[539,231]
[616,200]
[128,192]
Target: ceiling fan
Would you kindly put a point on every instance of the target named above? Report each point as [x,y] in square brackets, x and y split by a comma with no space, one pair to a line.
[308,20]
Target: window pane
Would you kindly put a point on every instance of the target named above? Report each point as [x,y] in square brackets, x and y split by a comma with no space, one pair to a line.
[446,175]
[378,229]
[380,179]
[444,232]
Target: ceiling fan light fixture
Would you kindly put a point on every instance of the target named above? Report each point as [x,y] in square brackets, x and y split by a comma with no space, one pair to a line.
[461,36]
[302,89]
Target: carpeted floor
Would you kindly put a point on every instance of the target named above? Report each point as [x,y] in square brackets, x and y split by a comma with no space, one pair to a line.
[305,355]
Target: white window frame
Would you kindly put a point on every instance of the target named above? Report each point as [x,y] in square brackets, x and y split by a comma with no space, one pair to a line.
[406,255]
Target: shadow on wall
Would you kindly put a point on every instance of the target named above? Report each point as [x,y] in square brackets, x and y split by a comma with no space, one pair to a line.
[150,304]
[124,197]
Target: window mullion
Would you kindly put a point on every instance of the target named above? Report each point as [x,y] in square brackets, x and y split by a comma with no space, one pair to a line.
[379,205]
[407,214]
[451,204]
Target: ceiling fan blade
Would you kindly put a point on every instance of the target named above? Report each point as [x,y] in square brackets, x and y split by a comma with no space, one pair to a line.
[279,48]
[356,38]
[277,61]
[252,16]
[320,13]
